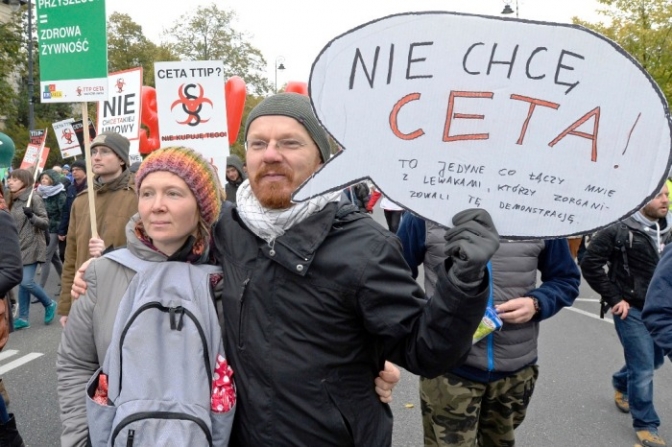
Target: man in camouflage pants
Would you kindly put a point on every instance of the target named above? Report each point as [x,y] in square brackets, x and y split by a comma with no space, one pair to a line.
[484,400]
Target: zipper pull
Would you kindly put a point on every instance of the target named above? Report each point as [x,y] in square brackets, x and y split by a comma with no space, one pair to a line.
[171,313]
[129,440]
[180,324]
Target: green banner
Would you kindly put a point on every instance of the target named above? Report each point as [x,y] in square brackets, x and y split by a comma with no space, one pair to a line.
[72,36]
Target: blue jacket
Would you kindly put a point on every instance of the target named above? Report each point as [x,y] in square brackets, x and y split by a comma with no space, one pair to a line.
[657,312]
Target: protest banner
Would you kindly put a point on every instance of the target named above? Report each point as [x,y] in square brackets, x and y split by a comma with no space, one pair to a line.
[66,138]
[30,158]
[37,136]
[72,44]
[120,112]
[78,127]
[552,128]
[191,108]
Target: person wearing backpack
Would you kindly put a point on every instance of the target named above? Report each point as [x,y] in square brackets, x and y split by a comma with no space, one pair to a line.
[631,249]
[179,201]
[79,354]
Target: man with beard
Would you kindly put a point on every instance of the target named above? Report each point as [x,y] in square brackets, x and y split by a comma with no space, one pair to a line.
[317,295]
[631,249]
[235,175]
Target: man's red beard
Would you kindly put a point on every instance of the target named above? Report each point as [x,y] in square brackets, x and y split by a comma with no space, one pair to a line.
[275,195]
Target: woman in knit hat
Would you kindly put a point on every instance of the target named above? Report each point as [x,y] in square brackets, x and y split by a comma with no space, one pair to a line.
[178,203]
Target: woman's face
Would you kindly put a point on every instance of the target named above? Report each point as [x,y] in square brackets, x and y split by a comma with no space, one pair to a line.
[15,185]
[46,180]
[168,210]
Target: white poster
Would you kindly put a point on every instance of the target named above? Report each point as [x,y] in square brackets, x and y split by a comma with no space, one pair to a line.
[192,108]
[121,112]
[66,138]
[552,128]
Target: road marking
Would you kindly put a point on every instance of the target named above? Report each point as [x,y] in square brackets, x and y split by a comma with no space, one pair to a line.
[7,354]
[20,361]
[590,314]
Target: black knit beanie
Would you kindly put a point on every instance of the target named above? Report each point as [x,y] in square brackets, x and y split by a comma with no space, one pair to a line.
[294,106]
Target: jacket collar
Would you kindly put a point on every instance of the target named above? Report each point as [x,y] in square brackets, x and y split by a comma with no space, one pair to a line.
[295,250]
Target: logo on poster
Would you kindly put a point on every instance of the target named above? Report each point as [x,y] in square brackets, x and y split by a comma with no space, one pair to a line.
[191,104]
[120,84]
[68,135]
[79,91]
[51,92]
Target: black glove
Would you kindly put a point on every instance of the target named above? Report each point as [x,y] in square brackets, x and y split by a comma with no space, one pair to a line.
[28,211]
[471,243]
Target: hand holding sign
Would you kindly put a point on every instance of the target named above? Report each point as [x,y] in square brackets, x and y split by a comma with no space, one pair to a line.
[549,127]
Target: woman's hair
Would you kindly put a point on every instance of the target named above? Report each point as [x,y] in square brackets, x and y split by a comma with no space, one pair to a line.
[25,177]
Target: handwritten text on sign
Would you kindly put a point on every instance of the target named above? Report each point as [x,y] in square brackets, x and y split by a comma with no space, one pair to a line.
[551,128]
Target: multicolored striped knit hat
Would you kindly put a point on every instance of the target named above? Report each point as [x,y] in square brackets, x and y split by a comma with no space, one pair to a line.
[196,172]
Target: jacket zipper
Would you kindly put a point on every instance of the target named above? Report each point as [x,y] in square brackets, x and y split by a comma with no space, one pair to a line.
[171,312]
[241,317]
[159,415]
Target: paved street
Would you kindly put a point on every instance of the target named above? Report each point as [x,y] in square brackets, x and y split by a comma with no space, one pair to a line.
[572,405]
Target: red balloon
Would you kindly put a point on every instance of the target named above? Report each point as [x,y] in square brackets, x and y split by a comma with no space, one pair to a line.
[235,104]
[149,119]
[297,87]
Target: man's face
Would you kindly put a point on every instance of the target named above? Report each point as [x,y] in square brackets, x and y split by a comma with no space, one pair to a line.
[232,174]
[78,174]
[275,173]
[658,207]
[105,161]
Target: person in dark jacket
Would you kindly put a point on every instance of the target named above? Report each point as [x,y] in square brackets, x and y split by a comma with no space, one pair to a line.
[78,185]
[631,249]
[11,273]
[484,400]
[657,311]
[31,222]
[235,176]
[317,295]
[53,194]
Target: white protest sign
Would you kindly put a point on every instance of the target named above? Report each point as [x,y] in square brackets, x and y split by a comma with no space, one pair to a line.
[191,107]
[552,128]
[121,111]
[66,138]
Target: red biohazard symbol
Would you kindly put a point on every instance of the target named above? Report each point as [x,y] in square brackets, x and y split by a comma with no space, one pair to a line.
[191,104]
[68,135]
[79,91]
[120,85]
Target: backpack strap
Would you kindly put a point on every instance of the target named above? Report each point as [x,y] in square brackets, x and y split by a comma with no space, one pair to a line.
[624,234]
[124,257]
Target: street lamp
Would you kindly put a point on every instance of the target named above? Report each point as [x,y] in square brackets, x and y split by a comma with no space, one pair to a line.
[278,66]
[15,5]
[508,9]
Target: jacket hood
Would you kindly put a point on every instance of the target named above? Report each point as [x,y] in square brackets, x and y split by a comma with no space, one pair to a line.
[236,162]
[124,181]
[664,223]
[53,175]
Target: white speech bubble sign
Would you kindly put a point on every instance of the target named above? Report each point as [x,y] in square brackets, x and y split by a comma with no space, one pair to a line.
[552,128]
